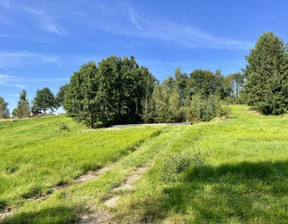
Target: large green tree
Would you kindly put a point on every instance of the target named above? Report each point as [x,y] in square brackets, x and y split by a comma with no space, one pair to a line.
[267,75]
[4,111]
[112,92]
[23,108]
[44,101]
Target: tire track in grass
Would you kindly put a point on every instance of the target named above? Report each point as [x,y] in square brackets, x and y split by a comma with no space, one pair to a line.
[85,177]
[105,215]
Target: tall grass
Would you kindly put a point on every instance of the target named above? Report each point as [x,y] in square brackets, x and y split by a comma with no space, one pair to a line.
[232,171]
[37,154]
[222,171]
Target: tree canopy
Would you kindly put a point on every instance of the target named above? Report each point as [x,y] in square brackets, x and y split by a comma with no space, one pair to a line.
[267,75]
[112,92]
[43,101]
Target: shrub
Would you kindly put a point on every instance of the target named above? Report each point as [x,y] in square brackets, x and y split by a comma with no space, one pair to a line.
[205,109]
[175,164]
[64,127]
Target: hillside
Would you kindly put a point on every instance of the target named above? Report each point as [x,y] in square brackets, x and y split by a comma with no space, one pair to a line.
[232,170]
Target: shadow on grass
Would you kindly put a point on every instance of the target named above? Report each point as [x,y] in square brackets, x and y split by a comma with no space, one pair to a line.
[244,192]
[60,214]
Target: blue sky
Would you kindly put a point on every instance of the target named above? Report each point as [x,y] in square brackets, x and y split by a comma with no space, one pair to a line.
[43,42]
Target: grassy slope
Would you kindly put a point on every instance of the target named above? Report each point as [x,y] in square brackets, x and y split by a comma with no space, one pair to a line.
[223,171]
[36,155]
[233,171]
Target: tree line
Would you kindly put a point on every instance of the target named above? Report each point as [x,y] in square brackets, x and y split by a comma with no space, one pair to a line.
[43,102]
[117,90]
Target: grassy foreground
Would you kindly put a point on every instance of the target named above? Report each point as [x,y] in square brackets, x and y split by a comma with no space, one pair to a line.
[35,154]
[231,171]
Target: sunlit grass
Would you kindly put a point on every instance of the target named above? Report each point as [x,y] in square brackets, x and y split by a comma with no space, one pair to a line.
[223,171]
[243,178]
[36,155]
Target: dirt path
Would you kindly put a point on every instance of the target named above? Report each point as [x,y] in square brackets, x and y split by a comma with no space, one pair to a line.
[131,179]
[105,216]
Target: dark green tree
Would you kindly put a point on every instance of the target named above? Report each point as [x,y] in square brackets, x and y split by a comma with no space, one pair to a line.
[60,96]
[266,72]
[81,99]
[205,82]
[4,111]
[43,101]
[23,108]
[110,93]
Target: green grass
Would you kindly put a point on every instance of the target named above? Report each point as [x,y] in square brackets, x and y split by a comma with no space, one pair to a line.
[223,171]
[232,171]
[36,155]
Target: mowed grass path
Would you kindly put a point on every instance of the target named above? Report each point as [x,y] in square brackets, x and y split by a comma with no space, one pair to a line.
[36,155]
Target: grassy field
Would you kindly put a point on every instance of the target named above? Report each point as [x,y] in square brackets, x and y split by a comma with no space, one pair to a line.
[223,171]
[36,154]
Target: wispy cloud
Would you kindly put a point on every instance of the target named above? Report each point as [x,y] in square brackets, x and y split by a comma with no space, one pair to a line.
[161,29]
[13,81]
[7,80]
[15,58]
[45,21]
[134,18]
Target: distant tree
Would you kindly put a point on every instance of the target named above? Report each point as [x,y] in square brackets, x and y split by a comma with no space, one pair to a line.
[4,111]
[205,82]
[14,113]
[149,82]
[203,108]
[160,102]
[175,110]
[234,84]
[60,96]
[181,82]
[267,75]
[23,108]
[43,101]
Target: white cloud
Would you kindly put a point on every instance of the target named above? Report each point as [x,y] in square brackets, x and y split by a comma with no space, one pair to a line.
[45,21]
[134,17]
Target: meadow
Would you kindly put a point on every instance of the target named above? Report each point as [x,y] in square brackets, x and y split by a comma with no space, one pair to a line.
[232,170]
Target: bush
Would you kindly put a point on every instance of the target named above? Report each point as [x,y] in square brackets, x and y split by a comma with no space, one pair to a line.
[223,110]
[175,164]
